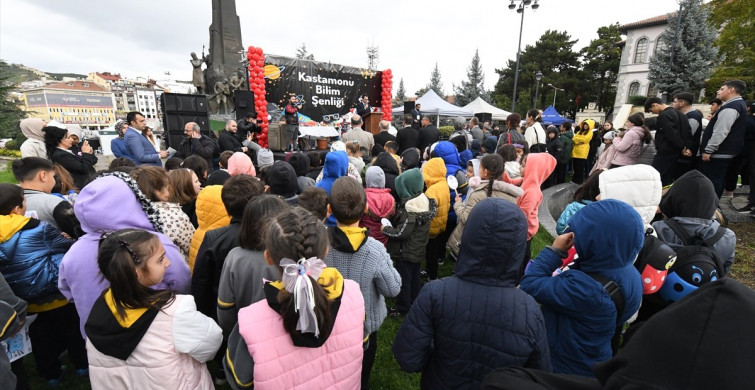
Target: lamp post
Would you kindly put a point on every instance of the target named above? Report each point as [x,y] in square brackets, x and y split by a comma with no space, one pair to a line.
[555,91]
[538,77]
[522,5]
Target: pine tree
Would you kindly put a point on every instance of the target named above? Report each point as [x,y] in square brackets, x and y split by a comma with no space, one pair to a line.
[400,97]
[435,83]
[735,21]
[302,53]
[601,65]
[10,113]
[693,52]
[474,87]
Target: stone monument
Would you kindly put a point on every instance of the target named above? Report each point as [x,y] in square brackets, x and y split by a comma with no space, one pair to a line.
[223,59]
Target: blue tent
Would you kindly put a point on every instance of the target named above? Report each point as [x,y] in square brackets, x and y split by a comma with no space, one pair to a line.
[551,117]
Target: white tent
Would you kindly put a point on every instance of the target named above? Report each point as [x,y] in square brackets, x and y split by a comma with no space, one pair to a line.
[481,106]
[432,104]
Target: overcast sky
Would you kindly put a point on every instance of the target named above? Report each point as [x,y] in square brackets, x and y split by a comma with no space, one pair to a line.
[148,37]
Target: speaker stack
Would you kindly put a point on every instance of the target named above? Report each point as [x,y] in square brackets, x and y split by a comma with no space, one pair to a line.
[180,109]
[244,102]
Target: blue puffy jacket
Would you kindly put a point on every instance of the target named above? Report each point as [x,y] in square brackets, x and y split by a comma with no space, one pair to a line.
[30,255]
[462,327]
[579,314]
[450,155]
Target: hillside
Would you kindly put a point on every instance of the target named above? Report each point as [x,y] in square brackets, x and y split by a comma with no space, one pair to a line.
[17,73]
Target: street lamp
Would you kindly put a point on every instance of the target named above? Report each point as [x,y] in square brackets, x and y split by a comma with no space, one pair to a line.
[555,91]
[522,5]
[538,77]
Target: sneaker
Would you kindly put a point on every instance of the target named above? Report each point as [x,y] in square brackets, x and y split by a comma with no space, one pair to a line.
[747,209]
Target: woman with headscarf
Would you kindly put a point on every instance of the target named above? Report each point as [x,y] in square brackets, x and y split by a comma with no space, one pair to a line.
[118,145]
[58,144]
[34,146]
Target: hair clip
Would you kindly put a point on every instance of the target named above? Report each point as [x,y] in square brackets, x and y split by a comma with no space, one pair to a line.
[125,245]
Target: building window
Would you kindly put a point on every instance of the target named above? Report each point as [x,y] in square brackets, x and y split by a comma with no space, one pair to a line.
[659,44]
[634,89]
[652,90]
[641,51]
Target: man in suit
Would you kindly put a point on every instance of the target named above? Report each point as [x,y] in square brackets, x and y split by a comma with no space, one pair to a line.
[137,145]
[384,136]
[363,106]
[408,136]
[416,116]
[428,134]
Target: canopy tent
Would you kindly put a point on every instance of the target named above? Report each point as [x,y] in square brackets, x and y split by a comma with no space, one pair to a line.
[479,106]
[432,104]
[551,117]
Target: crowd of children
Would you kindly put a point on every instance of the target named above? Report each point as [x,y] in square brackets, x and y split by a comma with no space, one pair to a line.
[280,271]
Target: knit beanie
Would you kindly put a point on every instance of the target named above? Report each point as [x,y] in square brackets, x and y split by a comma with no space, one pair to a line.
[240,164]
[375,177]
[300,162]
[265,158]
[281,179]
[410,184]
[489,144]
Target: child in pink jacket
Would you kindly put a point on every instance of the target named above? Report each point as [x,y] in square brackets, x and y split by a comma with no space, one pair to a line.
[380,203]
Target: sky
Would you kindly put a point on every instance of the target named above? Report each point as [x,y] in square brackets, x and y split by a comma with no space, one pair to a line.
[147,37]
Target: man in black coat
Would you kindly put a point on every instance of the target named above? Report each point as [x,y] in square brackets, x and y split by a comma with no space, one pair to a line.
[384,136]
[428,134]
[228,140]
[250,125]
[408,136]
[673,138]
[363,106]
[416,116]
[195,143]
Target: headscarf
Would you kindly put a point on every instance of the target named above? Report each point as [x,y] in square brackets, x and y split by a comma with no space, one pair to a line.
[32,128]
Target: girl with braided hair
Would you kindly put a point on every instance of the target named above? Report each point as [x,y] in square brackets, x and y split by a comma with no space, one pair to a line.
[308,332]
[491,169]
[144,338]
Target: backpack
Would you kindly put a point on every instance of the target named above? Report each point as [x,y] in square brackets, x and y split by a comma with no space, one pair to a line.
[696,264]
[614,291]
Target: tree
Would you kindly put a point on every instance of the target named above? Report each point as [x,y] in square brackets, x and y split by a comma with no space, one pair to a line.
[735,21]
[10,113]
[601,60]
[400,97]
[302,53]
[554,57]
[693,52]
[435,83]
[474,87]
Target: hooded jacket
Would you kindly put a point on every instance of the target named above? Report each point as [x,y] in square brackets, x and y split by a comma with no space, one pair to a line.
[555,146]
[109,204]
[163,348]
[34,146]
[579,314]
[691,202]
[359,257]
[408,236]
[30,255]
[388,164]
[568,142]
[261,352]
[410,159]
[637,185]
[501,190]
[211,214]
[380,204]
[629,147]
[335,166]
[462,327]
[434,173]
[539,166]
[300,162]
[582,141]
[450,155]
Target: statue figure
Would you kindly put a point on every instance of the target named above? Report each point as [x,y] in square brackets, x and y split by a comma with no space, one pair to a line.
[237,82]
[222,93]
[197,75]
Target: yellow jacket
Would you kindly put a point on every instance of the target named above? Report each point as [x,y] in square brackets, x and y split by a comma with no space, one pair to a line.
[211,214]
[434,173]
[582,142]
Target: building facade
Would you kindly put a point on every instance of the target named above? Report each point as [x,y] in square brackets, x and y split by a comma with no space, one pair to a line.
[640,45]
[84,103]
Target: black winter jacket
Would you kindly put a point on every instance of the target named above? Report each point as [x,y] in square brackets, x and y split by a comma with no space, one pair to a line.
[408,237]
[211,255]
[228,141]
[80,167]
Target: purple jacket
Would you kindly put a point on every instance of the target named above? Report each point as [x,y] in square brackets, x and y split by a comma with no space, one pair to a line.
[108,204]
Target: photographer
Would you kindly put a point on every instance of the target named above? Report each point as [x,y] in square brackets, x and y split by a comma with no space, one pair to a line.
[248,130]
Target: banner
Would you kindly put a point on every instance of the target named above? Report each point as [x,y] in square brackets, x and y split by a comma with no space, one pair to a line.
[327,91]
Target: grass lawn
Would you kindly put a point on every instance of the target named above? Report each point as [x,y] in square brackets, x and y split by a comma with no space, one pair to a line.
[7,177]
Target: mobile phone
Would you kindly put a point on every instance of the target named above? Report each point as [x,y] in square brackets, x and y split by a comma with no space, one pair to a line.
[259,120]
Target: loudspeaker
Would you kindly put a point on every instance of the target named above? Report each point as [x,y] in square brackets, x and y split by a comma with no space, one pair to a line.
[180,109]
[277,137]
[484,117]
[244,102]
[408,107]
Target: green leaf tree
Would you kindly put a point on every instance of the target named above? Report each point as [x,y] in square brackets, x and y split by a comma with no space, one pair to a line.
[693,52]
[435,83]
[735,22]
[10,113]
[601,60]
[554,57]
[474,86]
